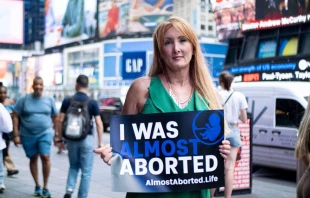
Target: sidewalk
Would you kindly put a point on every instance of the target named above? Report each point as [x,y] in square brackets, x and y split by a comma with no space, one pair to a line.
[22,185]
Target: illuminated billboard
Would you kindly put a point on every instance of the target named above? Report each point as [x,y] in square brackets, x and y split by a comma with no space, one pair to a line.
[274,13]
[295,70]
[121,17]
[69,21]
[12,21]
[229,15]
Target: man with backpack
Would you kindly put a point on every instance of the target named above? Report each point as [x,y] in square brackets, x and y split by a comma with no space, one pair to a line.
[76,127]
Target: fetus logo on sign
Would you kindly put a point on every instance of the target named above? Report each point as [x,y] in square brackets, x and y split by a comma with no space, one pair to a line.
[208,131]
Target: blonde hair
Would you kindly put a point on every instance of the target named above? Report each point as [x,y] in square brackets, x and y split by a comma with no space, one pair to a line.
[302,148]
[198,69]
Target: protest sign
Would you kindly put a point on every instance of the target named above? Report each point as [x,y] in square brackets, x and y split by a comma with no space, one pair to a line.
[167,152]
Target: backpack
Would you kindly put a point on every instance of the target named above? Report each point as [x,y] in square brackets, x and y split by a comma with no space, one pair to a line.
[77,122]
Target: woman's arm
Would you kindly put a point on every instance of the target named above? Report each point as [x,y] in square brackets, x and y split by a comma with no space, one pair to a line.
[134,102]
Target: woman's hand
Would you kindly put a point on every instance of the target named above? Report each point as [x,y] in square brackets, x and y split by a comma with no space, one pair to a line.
[105,153]
[225,149]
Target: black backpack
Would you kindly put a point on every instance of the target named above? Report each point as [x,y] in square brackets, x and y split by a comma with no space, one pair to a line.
[77,122]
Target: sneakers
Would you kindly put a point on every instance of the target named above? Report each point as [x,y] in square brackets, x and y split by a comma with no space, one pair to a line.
[37,191]
[67,195]
[46,193]
[12,172]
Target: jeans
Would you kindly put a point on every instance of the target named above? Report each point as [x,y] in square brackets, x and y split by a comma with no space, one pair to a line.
[81,156]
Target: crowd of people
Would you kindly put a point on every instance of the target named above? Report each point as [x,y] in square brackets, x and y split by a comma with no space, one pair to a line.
[178,76]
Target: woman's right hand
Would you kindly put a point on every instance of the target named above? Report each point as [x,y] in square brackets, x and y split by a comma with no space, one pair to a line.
[105,153]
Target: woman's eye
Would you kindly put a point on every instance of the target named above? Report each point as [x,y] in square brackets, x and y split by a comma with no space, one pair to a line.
[183,40]
[167,43]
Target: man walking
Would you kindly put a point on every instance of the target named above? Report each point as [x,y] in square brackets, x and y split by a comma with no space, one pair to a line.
[36,114]
[80,151]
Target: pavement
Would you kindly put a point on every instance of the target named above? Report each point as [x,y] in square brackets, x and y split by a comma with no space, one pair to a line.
[266,182]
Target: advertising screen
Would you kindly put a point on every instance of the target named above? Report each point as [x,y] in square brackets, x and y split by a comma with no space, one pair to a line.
[50,68]
[295,70]
[11,21]
[69,21]
[267,49]
[229,15]
[117,17]
[276,13]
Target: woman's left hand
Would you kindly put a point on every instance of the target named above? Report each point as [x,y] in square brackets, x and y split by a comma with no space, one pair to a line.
[225,149]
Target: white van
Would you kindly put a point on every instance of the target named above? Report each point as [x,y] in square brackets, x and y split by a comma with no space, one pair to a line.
[277,109]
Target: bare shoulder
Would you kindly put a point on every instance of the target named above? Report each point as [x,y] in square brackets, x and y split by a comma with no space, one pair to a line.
[137,95]
[141,84]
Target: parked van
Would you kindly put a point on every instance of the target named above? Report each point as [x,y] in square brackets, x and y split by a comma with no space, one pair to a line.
[277,109]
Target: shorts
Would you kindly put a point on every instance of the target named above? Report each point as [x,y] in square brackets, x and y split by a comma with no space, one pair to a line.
[37,145]
[234,136]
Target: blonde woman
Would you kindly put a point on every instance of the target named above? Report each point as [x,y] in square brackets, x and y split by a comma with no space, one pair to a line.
[302,151]
[178,81]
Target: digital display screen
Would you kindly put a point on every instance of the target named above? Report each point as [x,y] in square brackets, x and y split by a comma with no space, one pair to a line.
[123,17]
[68,21]
[12,21]
[267,48]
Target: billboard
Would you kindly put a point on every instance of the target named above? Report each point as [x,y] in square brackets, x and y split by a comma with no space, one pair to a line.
[277,13]
[121,17]
[69,21]
[12,21]
[229,15]
[50,68]
[297,69]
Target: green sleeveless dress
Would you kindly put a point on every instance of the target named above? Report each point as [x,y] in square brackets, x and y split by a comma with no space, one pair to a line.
[160,101]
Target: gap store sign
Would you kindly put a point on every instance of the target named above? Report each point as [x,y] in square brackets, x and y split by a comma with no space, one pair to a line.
[133,65]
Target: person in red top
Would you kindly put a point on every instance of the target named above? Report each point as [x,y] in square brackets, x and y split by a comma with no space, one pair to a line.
[112,20]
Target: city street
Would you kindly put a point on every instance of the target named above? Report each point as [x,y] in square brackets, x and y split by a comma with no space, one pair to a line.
[266,182]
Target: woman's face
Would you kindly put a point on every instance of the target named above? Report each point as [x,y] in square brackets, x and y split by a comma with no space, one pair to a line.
[177,50]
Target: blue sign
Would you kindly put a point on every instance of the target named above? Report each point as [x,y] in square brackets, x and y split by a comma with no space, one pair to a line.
[133,65]
[167,152]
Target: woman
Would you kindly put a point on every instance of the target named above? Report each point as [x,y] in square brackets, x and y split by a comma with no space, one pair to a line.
[302,151]
[7,160]
[235,105]
[178,81]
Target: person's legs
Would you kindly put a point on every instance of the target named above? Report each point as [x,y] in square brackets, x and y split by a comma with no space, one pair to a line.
[1,173]
[86,162]
[229,171]
[44,144]
[73,155]
[34,168]
[46,165]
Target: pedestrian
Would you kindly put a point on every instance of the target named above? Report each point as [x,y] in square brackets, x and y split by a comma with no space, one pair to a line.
[302,151]
[80,152]
[6,126]
[7,159]
[235,105]
[36,114]
[178,81]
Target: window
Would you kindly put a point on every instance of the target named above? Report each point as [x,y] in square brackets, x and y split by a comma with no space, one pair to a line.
[305,44]
[288,113]
[210,28]
[267,48]
[233,51]
[203,27]
[250,46]
[288,46]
